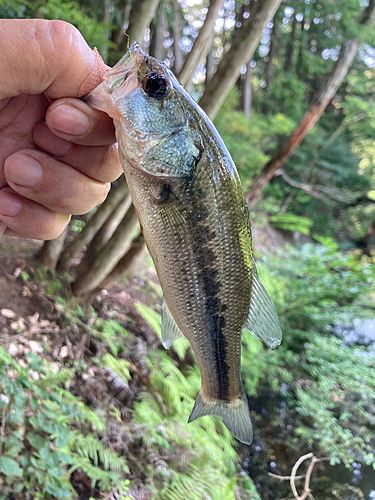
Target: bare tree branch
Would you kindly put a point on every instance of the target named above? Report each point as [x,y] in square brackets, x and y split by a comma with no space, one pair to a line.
[315,190]
[293,477]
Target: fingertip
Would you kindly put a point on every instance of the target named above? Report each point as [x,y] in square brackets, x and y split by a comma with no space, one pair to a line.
[67,119]
[75,121]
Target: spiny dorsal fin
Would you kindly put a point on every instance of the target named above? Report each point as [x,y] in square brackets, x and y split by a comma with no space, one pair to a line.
[234,414]
[169,330]
[262,320]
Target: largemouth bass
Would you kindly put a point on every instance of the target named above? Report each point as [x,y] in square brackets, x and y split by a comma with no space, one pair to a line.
[191,206]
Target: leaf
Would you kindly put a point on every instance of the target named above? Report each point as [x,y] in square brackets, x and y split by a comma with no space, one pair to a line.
[64,458]
[10,467]
[36,440]
[63,438]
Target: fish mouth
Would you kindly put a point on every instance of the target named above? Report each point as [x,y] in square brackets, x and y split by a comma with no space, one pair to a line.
[134,69]
[118,82]
[119,74]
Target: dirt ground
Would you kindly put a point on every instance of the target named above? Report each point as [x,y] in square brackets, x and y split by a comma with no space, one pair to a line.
[18,263]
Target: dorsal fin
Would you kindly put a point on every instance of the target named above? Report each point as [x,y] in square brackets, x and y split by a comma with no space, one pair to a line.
[169,330]
[262,320]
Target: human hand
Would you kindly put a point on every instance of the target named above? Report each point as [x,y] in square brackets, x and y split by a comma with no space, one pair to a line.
[55,159]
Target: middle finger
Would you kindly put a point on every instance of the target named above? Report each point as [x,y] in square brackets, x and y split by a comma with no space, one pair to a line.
[102,163]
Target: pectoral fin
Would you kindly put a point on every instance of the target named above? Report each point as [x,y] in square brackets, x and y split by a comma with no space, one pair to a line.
[169,330]
[262,320]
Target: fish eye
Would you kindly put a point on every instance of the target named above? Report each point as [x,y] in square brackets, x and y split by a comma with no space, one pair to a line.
[155,85]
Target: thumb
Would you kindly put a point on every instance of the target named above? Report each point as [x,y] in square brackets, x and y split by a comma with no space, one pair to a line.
[46,56]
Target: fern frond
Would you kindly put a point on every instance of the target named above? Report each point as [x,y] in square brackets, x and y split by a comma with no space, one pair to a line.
[152,317]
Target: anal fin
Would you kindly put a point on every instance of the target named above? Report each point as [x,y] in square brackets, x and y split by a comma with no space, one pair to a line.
[262,320]
[169,330]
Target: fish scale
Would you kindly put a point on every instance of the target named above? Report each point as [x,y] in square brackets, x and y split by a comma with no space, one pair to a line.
[196,224]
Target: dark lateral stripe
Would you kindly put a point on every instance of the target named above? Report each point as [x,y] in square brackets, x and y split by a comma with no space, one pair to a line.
[219,345]
[196,204]
[208,276]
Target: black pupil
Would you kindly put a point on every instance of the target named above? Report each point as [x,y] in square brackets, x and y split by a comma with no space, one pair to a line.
[155,85]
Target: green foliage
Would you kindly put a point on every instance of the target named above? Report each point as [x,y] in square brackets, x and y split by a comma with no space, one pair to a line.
[251,142]
[39,443]
[85,19]
[339,407]
[327,387]
[93,31]
[291,222]
[112,333]
[77,225]
[199,458]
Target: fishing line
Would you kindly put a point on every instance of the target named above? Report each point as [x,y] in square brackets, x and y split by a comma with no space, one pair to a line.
[131,55]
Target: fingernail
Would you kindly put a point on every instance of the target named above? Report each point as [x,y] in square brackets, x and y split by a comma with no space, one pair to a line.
[23,170]
[10,204]
[68,119]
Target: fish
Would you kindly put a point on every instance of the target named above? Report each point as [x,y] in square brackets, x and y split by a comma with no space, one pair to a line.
[196,224]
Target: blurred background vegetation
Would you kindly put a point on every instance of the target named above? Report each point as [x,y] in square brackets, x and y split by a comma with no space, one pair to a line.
[91,405]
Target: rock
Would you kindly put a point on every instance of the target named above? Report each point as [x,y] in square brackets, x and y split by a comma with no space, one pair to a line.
[7,313]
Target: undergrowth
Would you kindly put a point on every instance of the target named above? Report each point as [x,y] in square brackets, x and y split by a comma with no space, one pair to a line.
[138,440]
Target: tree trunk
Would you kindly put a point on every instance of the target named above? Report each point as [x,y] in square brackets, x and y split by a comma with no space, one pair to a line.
[125,264]
[248,91]
[327,144]
[271,57]
[118,34]
[201,45]
[290,49]
[244,43]
[210,66]
[109,256]
[300,68]
[368,237]
[178,62]
[104,19]
[157,49]
[104,234]
[115,196]
[50,251]
[330,86]
[140,18]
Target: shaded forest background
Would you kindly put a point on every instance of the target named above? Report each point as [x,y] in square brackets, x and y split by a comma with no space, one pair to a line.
[91,406]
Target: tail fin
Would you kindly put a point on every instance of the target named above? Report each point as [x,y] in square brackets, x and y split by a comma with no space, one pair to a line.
[234,414]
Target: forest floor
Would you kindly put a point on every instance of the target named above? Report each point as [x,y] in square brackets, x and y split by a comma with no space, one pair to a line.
[38,315]
[21,297]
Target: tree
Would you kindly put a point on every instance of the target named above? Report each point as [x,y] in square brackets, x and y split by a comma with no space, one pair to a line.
[94,224]
[105,261]
[242,49]
[320,102]
[141,15]
[178,62]
[201,45]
